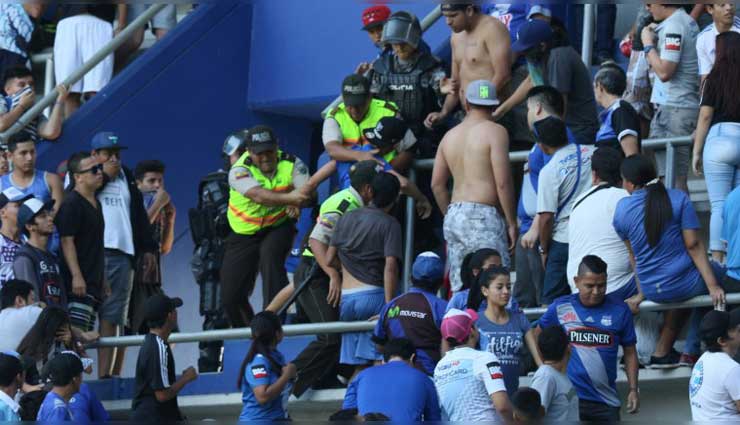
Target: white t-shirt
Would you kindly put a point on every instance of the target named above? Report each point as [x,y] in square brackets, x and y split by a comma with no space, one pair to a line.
[465,379]
[706,44]
[714,387]
[591,232]
[15,324]
[559,398]
[557,190]
[115,200]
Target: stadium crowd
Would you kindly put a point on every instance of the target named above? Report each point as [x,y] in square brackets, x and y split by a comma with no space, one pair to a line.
[589,225]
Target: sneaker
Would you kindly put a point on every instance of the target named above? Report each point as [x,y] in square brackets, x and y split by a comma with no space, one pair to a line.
[669,361]
[688,360]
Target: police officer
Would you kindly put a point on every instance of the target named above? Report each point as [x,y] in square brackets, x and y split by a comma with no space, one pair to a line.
[265,183]
[322,355]
[410,78]
[209,227]
[358,111]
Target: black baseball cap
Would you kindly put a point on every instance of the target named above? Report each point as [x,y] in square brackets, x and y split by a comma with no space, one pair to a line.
[363,172]
[12,194]
[261,138]
[355,90]
[62,368]
[158,306]
[388,132]
[715,324]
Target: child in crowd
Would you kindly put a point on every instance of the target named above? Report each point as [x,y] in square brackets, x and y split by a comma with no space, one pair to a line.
[65,373]
[11,380]
[527,406]
[503,331]
[471,267]
[264,377]
[557,394]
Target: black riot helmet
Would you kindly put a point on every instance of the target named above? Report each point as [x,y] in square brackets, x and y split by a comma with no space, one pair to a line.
[402,27]
[235,142]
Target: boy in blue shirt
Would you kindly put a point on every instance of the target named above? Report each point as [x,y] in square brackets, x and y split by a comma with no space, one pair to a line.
[596,325]
[396,389]
[11,380]
[65,373]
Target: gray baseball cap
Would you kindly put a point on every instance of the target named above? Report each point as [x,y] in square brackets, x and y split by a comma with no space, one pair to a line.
[482,93]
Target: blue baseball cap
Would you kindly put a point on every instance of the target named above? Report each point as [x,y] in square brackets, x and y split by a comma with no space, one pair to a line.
[106,140]
[428,267]
[531,34]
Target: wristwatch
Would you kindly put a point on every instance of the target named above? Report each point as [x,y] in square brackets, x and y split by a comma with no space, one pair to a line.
[648,48]
[541,251]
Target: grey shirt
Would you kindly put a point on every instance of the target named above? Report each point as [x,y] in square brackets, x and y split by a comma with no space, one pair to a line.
[677,43]
[558,396]
[363,238]
[567,73]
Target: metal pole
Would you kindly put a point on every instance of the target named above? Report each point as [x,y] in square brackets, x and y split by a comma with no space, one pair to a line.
[670,154]
[98,57]
[48,80]
[427,22]
[408,254]
[587,41]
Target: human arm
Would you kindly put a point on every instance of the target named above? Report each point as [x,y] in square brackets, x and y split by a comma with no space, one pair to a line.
[168,233]
[453,96]
[402,162]
[530,238]
[319,176]
[79,287]
[266,393]
[519,96]
[440,177]
[697,11]
[488,368]
[390,278]
[498,44]
[51,129]
[546,224]
[499,156]
[706,113]
[531,341]
[170,392]
[335,278]
[57,190]
[634,301]
[697,252]
[122,17]
[423,207]
[161,199]
[665,63]
[241,180]
[631,368]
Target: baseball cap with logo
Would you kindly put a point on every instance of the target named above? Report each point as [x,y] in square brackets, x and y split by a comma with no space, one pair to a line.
[428,267]
[29,209]
[389,131]
[355,90]
[481,93]
[105,140]
[457,324]
[261,138]
[375,16]
[531,34]
[12,194]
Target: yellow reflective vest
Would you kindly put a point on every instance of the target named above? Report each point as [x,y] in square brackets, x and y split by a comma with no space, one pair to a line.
[352,131]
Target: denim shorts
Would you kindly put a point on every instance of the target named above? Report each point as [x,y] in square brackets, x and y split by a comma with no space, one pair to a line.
[358,347]
[119,273]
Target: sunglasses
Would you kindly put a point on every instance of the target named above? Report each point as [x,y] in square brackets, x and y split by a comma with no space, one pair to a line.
[95,169]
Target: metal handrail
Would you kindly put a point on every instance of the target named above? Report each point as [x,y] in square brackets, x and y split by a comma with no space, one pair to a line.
[365,326]
[98,57]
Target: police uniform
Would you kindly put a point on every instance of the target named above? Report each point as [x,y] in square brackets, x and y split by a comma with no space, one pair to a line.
[261,236]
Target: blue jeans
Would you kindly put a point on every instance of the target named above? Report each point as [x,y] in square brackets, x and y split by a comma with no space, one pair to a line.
[556,273]
[722,173]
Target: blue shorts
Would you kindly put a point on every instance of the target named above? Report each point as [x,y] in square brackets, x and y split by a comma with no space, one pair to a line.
[358,347]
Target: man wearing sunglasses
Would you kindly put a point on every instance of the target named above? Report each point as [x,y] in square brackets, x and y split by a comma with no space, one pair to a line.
[128,241]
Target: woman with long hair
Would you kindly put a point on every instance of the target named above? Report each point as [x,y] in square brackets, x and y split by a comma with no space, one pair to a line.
[504,331]
[264,376]
[717,138]
[471,267]
[661,231]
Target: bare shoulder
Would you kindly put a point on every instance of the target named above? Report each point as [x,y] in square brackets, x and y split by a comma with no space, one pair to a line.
[494,27]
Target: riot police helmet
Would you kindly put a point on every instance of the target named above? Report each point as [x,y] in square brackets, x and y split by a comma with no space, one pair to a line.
[235,142]
[402,27]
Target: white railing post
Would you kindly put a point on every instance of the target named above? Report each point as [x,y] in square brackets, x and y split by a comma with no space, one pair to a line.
[587,41]
[48,81]
[408,253]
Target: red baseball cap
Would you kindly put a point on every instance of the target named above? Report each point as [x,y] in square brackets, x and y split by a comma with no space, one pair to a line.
[458,324]
[374,16]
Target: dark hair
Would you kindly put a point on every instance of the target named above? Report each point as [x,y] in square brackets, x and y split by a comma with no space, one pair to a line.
[22,136]
[639,170]
[30,404]
[18,71]
[398,347]
[551,132]
[474,261]
[10,368]
[553,343]
[148,166]
[40,338]
[73,165]
[611,78]
[591,264]
[265,328]
[475,297]
[385,189]
[527,402]
[605,162]
[723,76]
[12,289]
[375,417]
[710,341]
[550,98]
[62,369]
[349,415]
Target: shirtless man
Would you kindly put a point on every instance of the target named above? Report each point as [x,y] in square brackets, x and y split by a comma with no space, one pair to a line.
[476,154]
[481,50]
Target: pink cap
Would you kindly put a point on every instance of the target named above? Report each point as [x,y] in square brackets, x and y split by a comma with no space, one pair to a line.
[457,324]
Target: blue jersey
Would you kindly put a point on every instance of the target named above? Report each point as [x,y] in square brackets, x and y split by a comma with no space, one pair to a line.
[38,187]
[260,372]
[54,409]
[416,316]
[595,334]
[396,390]
[87,408]
[344,166]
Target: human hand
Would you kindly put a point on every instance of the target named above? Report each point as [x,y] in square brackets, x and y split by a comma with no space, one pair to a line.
[290,370]
[423,208]
[634,302]
[63,91]
[373,318]
[434,118]
[543,258]
[449,85]
[64,335]
[633,402]
[718,297]
[27,100]
[190,374]
[335,290]
[293,212]
[149,268]
[162,197]
[499,112]
[697,164]
[79,288]
[648,35]
[513,232]
[368,156]
[362,68]
[530,238]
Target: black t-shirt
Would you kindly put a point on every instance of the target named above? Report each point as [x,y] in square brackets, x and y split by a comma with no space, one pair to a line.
[41,268]
[155,370]
[624,122]
[77,217]
[712,97]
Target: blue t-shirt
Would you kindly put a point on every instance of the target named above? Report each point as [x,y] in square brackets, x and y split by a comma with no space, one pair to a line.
[344,166]
[396,390]
[86,408]
[731,233]
[416,316]
[505,341]
[666,271]
[259,372]
[54,409]
[8,413]
[595,334]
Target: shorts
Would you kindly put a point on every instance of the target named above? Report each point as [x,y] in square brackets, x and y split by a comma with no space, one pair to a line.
[82,312]
[670,121]
[78,38]
[165,19]
[358,347]
[119,273]
[468,227]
